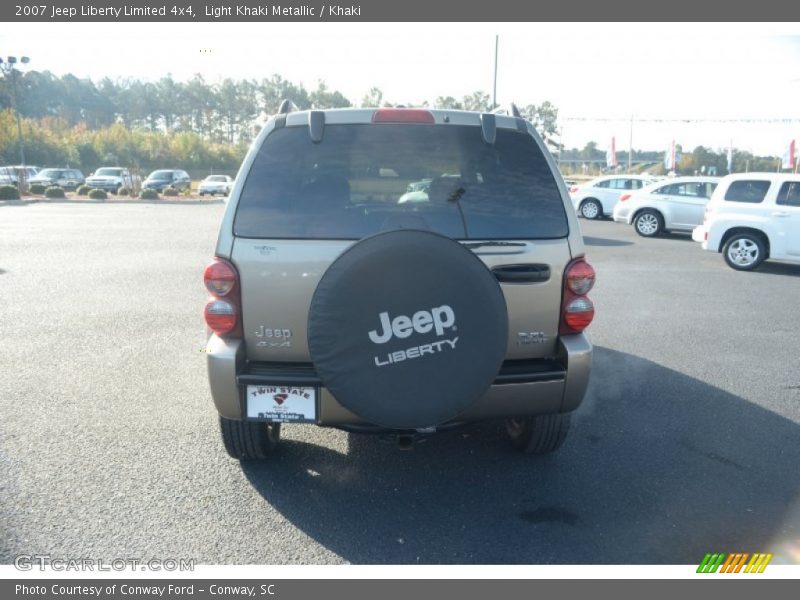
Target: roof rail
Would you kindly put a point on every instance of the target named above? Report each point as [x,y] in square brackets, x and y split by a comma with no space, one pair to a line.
[511,110]
[286,107]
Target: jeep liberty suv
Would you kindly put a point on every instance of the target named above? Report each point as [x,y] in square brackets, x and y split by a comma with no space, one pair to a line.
[335,303]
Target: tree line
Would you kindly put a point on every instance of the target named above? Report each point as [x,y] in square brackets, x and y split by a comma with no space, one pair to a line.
[193,124]
[202,126]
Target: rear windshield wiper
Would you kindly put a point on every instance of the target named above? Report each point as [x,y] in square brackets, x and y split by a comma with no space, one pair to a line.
[473,245]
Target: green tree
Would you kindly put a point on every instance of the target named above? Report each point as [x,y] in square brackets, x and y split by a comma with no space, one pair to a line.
[374,97]
[323,97]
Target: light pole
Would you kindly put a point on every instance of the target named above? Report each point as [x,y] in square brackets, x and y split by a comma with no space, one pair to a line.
[9,68]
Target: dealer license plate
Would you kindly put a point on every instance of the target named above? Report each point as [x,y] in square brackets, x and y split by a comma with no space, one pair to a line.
[282,403]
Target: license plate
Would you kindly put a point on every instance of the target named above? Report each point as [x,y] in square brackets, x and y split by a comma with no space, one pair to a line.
[282,404]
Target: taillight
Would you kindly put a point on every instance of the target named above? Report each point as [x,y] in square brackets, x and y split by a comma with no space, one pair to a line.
[402,115]
[220,316]
[219,277]
[577,310]
[223,309]
[624,197]
[573,189]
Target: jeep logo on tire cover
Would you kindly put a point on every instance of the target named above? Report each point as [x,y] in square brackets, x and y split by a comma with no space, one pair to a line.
[422,322]
[407,329]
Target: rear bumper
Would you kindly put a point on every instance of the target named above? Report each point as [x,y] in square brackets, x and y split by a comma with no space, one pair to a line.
[700,234]
[621,214]
[109,186]
[522,388]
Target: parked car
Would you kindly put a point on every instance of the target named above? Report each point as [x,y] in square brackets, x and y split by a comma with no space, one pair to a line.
[111,179]
[10,175]
[752,217]
[677,204]
[163,178]
[597,198]
[69,179]
[333,304]
[216,184]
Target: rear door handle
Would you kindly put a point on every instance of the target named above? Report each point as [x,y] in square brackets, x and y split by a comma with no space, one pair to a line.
[525,273]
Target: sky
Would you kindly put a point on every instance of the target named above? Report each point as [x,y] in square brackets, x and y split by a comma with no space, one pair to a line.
[600,76]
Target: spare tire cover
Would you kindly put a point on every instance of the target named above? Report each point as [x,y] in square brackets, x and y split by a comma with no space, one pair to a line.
[407,329]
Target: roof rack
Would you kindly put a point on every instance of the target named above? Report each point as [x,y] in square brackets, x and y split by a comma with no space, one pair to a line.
[511,109]
[286,107]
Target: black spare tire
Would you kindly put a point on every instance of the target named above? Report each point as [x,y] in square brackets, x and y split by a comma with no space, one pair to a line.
[407,329]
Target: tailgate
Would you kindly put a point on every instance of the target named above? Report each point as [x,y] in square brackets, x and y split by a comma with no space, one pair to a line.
[534,307]
[279,278]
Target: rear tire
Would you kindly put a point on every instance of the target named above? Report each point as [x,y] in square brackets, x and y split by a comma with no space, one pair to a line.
[591,209]
[538,435]
[744,251]
[249,440]
[648,223]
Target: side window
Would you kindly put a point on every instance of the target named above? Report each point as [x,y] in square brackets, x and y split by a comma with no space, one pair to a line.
[669,190]
[603,184]
[710,187]
[693,189]
[749,191]
[617,184]
[789,194]
[637,184]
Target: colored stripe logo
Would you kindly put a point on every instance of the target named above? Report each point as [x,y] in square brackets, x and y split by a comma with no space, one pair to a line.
[738,562]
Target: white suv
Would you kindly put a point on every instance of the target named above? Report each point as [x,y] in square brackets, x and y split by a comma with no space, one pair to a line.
[752,217]
[598,197]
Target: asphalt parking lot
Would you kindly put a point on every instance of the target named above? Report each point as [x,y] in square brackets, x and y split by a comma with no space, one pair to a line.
[688,441]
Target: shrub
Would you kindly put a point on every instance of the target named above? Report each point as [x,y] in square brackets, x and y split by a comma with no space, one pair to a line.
[83,190]
[123,191]
[148,195]
[170,191]
[9,192]
[54,192]
[37,188]
[96,194]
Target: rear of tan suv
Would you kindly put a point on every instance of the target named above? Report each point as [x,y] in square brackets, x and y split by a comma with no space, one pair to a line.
[400,271]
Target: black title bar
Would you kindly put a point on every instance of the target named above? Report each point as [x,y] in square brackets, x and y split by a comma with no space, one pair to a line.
[397,10]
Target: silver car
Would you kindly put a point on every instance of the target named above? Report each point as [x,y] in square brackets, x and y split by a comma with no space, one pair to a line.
[333,302]
[216,184]
[675,204]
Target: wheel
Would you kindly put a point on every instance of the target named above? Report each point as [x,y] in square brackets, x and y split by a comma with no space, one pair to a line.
[744,251]
[538,435]
[203,194]
[591,209]
[648,223]
[249,440]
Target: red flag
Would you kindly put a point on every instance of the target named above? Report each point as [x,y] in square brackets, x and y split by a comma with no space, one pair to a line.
[611,155]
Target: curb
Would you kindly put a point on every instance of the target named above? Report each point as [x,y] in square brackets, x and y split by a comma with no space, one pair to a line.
[26,201]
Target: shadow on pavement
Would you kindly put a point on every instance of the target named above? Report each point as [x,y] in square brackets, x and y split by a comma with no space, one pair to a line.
[596,241]
[773,268]
[659,468]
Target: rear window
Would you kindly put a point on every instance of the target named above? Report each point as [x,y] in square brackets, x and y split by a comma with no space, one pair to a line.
[789,194]
[750,191]
[362,179]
